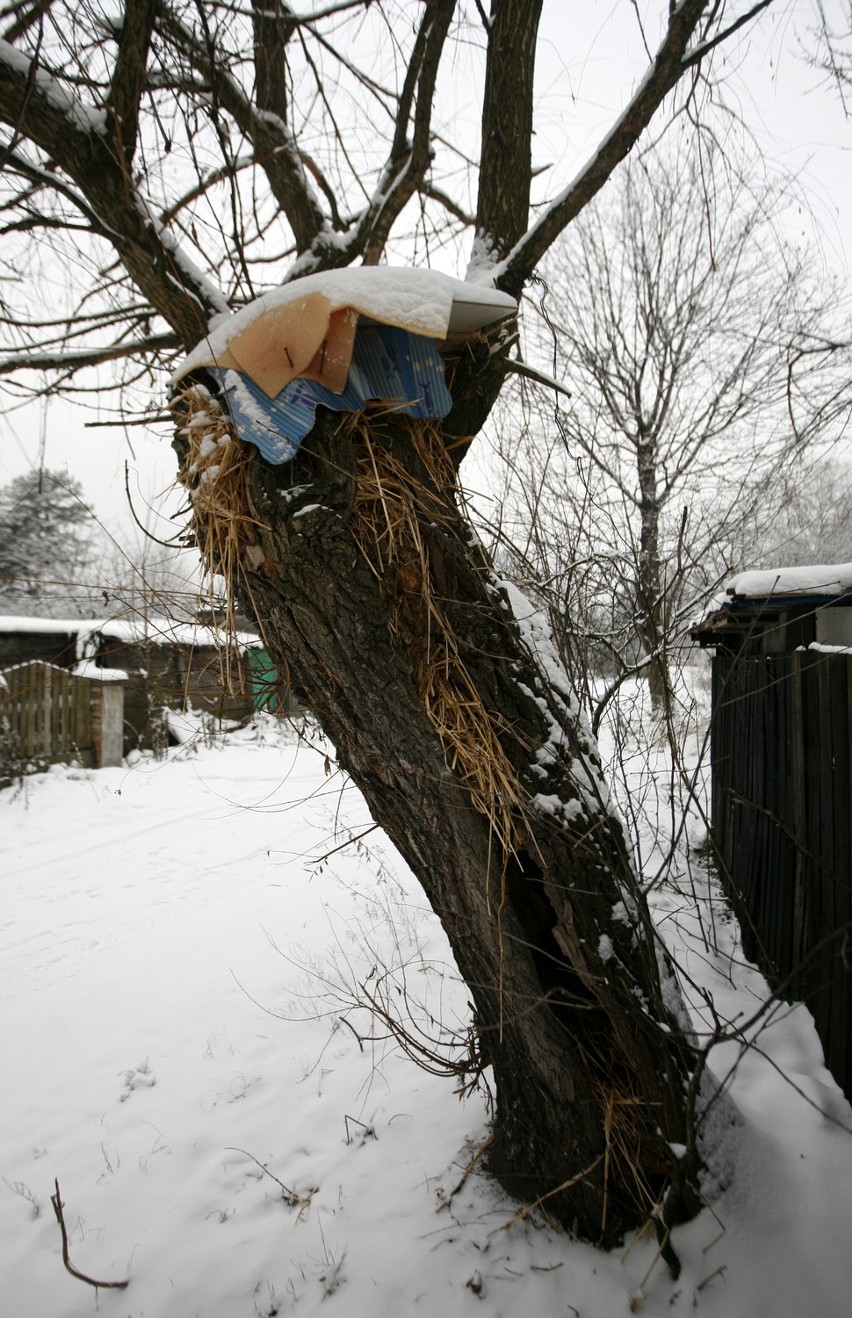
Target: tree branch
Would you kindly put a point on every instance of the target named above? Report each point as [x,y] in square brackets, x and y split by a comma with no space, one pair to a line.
[408,161]
[671,62]
[273,26]
[128,76]
[49,178]
[58,361]
[265,127]
[695,56]
[27,15]
[35,103]
[503,204]
[450,206]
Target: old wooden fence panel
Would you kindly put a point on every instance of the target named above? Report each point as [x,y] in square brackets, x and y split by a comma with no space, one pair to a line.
[45,718]
[782,806]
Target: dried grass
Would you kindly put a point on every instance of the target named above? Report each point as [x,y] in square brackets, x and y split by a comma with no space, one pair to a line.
[213,473]
[391,505]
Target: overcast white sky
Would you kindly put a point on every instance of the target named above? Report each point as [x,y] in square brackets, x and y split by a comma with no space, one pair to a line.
[584,75]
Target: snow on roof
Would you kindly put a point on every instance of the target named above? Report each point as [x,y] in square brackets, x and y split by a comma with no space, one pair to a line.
[45,626]
[132,631]
[163,631]
[423,302]
[821,579]
[88,668]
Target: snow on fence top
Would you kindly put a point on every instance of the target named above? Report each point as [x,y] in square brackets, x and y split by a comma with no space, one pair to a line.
[821,579]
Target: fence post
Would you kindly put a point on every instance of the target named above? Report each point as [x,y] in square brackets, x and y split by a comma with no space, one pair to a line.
[106,701]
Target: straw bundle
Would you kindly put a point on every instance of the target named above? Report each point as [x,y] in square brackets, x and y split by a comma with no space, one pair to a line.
[213,472]
[391,505]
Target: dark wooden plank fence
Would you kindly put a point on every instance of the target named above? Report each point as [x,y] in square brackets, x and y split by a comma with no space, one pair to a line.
[782,806]
[45,718]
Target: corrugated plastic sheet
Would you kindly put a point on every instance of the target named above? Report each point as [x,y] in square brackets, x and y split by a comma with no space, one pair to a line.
[389,365]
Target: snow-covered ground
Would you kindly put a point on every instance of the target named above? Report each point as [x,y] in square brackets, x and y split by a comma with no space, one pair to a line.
[176,961]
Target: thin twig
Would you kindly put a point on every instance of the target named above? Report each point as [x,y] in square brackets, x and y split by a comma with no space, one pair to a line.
[58,1206]
[566,1185]
[369,1131]
[469,1168]
[720,1272]
[290,1196]
[320,860]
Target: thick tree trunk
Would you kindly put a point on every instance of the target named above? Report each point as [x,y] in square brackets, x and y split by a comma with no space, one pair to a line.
[458,726]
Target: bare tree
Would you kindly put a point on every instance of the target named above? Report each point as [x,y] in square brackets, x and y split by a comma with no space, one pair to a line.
[807,522]
[705,353]
[832,51]
[446,706]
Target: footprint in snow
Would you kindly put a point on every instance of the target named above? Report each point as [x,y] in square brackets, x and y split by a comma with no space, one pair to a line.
[138,1077]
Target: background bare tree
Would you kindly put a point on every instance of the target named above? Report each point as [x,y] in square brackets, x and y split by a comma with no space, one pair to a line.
[708,359]
[833,46]
[165,161]
[812,523]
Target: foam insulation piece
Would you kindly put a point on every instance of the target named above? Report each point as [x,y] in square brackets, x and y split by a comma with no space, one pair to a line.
[302,338]
[297,329]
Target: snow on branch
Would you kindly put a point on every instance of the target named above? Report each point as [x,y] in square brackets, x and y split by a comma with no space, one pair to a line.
[672,59]
[78,359]
[265,124]
[36,105]
[34,95]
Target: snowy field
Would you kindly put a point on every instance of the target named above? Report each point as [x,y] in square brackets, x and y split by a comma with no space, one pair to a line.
[177,963]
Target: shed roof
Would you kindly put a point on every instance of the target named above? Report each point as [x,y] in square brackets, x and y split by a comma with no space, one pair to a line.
[824,579]
[771,598]
[132,631]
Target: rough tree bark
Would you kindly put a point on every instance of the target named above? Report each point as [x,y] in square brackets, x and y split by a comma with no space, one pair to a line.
[532,881]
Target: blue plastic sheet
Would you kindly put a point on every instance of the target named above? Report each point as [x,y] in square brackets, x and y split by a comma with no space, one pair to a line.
[403,370]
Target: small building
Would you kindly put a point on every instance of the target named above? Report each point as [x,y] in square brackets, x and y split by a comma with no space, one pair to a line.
[781,762]
[168,665]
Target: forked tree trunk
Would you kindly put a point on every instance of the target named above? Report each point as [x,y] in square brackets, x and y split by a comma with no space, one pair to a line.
[460,730]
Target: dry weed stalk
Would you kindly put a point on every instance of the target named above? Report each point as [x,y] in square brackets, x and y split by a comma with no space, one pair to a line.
[58,1208]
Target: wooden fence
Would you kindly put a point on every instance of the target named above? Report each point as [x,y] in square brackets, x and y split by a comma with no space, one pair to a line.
[50,716]
[782,805]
